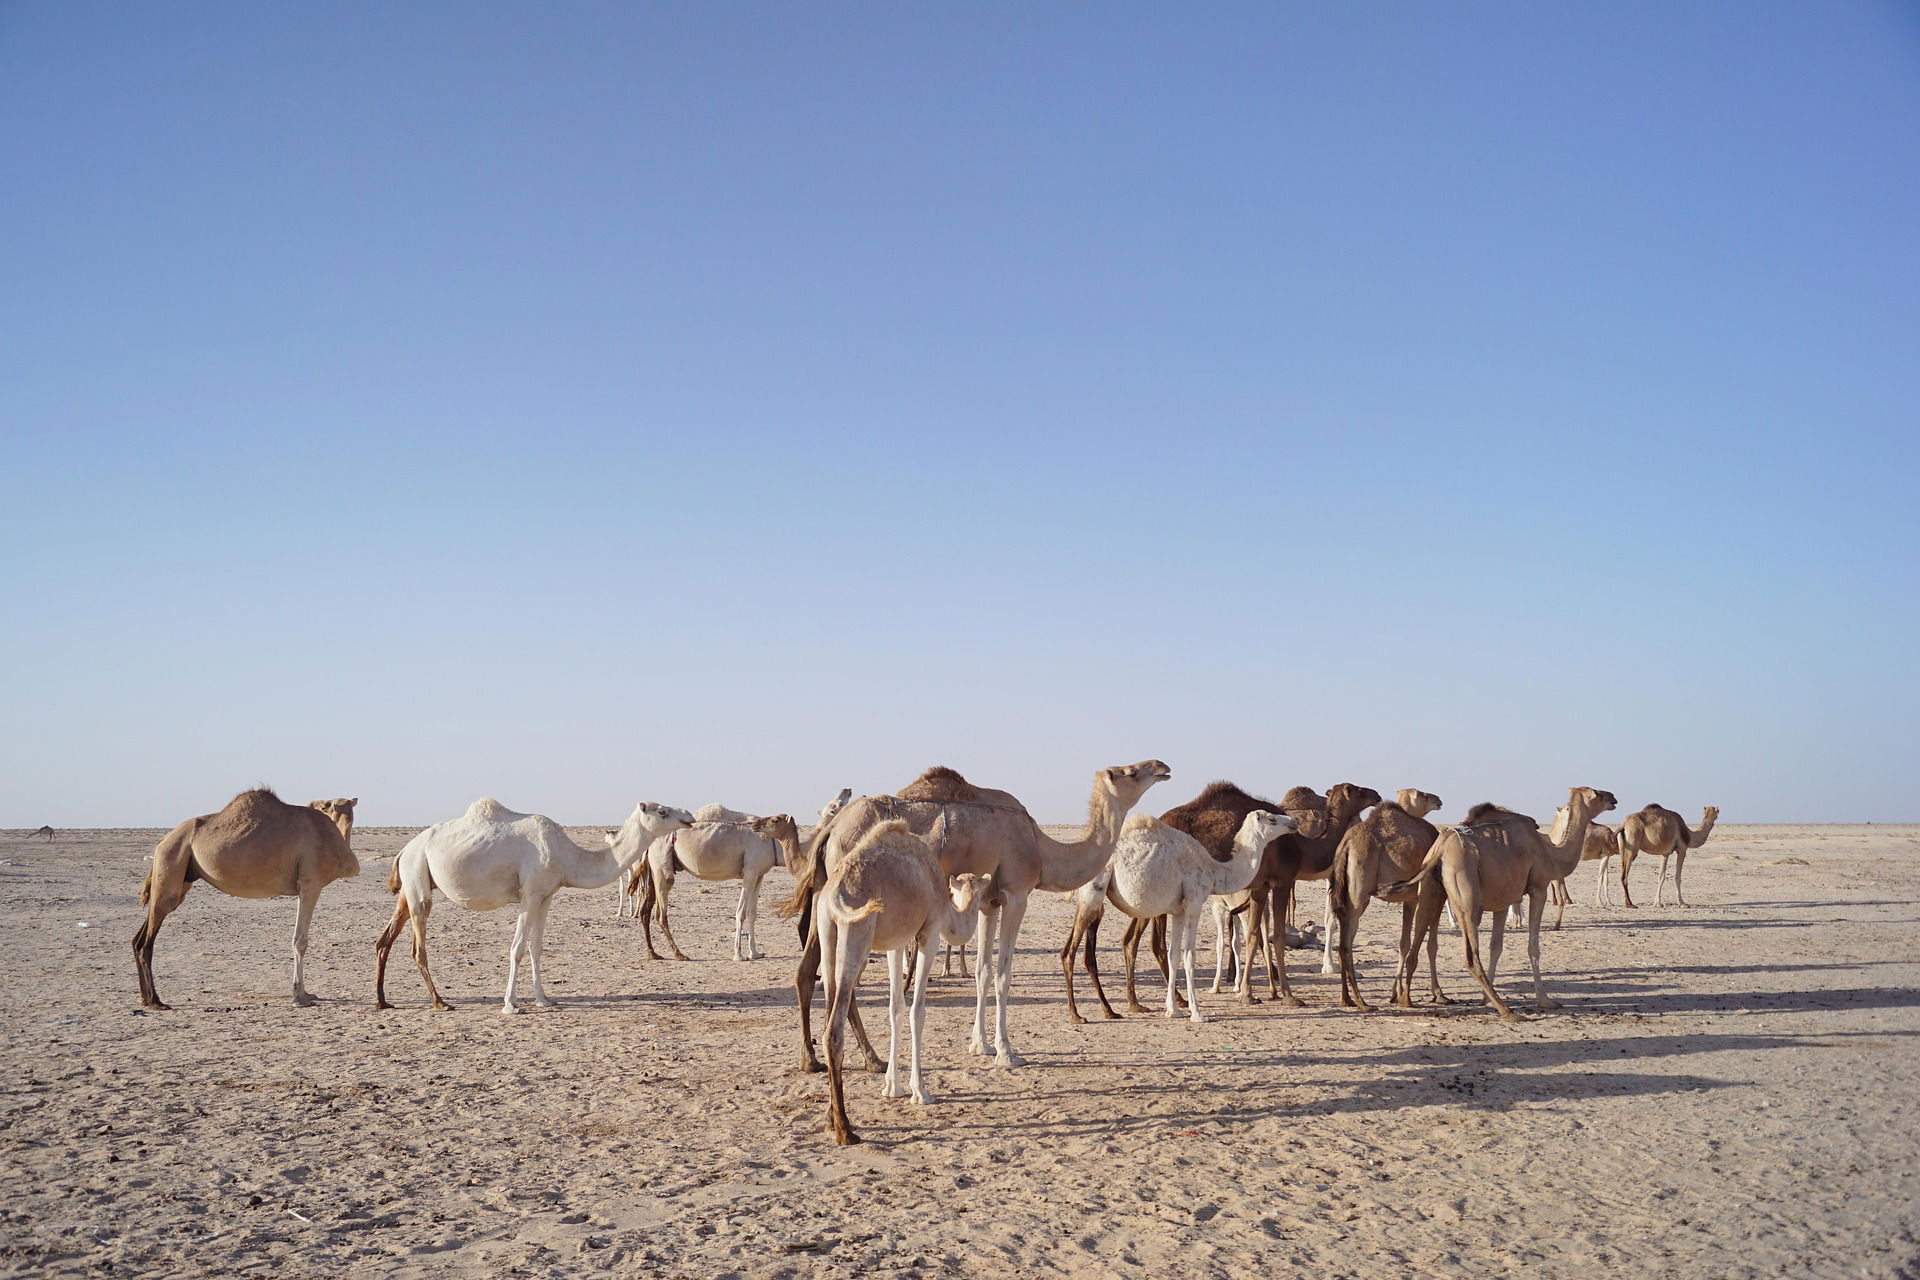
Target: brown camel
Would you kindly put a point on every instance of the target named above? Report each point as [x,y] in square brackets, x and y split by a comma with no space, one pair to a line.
[44,831]
[1214,818]
[972,830]
[1388,844]
[259,846]
[1487,863]
[1603,842]
[1664,832]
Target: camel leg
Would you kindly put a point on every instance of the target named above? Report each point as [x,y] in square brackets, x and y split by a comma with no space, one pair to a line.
[536,950]
[1278,957]
[1327,947]
[1557,893]
[1219,943]
[1465,896]
[513,961]
[1075,931]
[1093,968]
[1679,865]
[383,947]
[1600,896]
[165,889]
[1403,978]
[1626,865]
[896,1014]
[842,974]
[1497,942]
[309,898]
[420,910]
[750,916]
[1433,968]
[917,1026]
[1011,917]
[644,898]
[804,978]
[1536,907]
[662,886]
[1130,950]
[983,975]
[1166,958]
[1186,929]
[1348,920]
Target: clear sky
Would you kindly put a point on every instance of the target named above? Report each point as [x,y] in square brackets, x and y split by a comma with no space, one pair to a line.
[594,402]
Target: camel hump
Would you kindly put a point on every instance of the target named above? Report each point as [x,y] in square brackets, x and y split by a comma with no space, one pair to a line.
[487,809]
[1140,822]
[1303,798]
[940,785]
[1487,812]
[1221,790]
[891,831]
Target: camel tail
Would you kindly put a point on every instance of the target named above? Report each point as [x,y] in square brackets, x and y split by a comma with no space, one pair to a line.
[845,913]
[174,843]
[393,875]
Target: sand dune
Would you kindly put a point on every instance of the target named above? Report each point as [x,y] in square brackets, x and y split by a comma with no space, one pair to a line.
[1729,1092]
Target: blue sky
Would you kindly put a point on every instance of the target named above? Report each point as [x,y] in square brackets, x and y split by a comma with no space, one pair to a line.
[587,403]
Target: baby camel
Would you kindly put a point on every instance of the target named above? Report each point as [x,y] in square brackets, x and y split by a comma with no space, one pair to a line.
[1160,870]
[889,894]
[743,851]
[490,856]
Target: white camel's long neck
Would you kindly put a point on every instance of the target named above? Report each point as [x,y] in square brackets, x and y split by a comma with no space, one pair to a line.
[594,868]
[1068,864]
[1233,876]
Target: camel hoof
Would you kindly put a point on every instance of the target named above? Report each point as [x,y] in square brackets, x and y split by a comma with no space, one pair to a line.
[510,1008]
[546,1004]
[156,1004]
[847,1139]
[1111,1016]
[809,1066]
[381,1004]
[1076,1019]
[1197,1016]
[978,1048]
[1134,1006]
[443,1006]
[891,1090]
[1294,1002]
[1547,1004]
[305,1000]
[875,1066]
[924,1099]
[1008,1058]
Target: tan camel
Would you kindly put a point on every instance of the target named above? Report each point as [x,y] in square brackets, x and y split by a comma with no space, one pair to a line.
[972,830]
[259,846]
[714,850]
[1389,844]
[1158,871]
[888,894]
[1664,832]
[1487,863]
[44,831]
[1602,843]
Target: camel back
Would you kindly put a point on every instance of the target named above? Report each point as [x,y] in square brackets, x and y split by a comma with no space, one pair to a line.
[1214,816]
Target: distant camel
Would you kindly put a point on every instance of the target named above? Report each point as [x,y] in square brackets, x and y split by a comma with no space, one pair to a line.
[888,894]
[490,856]
[259,846]
[44,831]
[708,850]
[1661,831]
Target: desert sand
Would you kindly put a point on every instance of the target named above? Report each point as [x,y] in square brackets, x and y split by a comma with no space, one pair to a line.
[1730,1090]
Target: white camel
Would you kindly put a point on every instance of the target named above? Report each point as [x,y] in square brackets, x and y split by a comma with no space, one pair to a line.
[491,856]
[743,851]
[717,812]
[889,894]
[834,806]
[1160,870]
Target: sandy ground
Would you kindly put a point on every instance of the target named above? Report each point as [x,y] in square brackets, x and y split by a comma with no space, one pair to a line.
[1731,1090]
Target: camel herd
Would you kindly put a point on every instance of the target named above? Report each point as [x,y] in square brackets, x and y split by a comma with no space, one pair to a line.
[942,860]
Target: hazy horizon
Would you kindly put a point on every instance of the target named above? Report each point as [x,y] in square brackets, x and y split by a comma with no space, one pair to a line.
[592,404]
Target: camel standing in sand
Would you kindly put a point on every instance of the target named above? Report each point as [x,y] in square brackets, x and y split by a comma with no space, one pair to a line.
[259,846]
[1661,831]
[1160,870]
[1389,844]
[973,830]
[743,851]
[1486,863]
[888,894]
[490,856]
[43,831]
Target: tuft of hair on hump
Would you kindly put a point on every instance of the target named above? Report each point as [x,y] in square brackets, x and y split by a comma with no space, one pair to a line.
[1140,822]
[1303,798]
[1216,790]
[940,785]
[261,791]
[1485,811]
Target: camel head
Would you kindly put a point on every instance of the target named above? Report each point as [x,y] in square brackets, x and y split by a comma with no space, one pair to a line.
[1308,809]
[340,810]
[647,821]
[1597,802]
[1346,799]
[784,832]
[836,804]
[1126,783]
[968,891]
[1417,803]
[1267,827]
